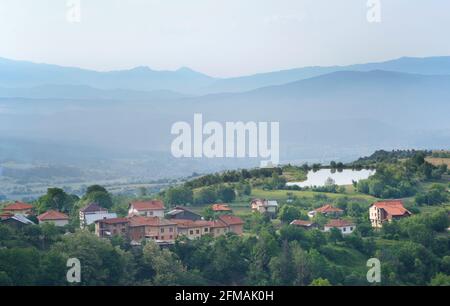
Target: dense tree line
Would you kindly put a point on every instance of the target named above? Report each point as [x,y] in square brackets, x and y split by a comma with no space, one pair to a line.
[400,179]
[413,251]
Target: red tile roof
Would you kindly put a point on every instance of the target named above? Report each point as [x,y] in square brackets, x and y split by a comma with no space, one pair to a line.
[52,215]
[92,207]
[149,221]
[392,208]
[147,205]
[113,220]
[328,209]
[220,207]
[185,223]
[231,220]
[302,223]
[339,223]
[18,206]
[218,224]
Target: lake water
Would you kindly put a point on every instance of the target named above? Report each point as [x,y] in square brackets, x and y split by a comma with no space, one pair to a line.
[344,177]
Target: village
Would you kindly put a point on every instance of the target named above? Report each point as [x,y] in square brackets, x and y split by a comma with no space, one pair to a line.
[151,220]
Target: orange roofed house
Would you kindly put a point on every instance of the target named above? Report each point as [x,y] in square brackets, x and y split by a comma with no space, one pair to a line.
[152,208]
[55,217]
[326,210]
[346,227]
[18,208]
[381,212]
[154,228]
[227,223]
[221,208]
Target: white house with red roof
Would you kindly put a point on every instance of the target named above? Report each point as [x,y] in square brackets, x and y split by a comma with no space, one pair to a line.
[19,208]
[346,227]
[151,208]
[55,217]
[327,210]
[383,211]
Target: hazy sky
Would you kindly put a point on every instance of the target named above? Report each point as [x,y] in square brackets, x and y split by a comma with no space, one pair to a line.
[221,37]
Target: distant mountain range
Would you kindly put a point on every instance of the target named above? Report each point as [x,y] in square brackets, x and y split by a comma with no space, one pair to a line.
[22,74]
[324,113]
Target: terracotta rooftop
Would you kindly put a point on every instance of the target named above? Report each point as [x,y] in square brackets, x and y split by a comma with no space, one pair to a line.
[393,207]
[18,206]
[52,215]
[339,223]
[328,209]
[149,221]
[113,220]
[231,220]
[220,207]
[147,205]
[185,223]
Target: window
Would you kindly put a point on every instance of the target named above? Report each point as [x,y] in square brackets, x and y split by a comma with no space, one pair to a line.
[344,229]
[151,213]
[206,229]
[191,232]
[170,236]
[162,230]
[197,232]
[171,229]
[351,228]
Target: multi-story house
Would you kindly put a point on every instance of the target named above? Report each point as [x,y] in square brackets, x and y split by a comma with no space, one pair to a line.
[386,211]
[154,228]
[93,212]
[112,227]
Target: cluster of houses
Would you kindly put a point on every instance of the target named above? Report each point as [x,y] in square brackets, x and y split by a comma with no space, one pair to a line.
[148,220]
[17,214]
[379,213]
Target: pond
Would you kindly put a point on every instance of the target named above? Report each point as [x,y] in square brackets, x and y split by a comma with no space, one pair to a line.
[340,177]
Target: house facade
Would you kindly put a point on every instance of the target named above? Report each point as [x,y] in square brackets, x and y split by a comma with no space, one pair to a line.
[193,229]
[54,217]
[386,211]
[106,228]
[264,206]
[93,212]
[153,228]
[227,223]
[346,227]
[152,208]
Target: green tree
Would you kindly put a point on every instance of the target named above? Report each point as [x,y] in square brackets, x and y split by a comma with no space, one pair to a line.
[320,282]
[179,196]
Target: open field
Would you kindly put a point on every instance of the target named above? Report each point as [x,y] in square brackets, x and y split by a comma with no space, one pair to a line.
[436,161]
